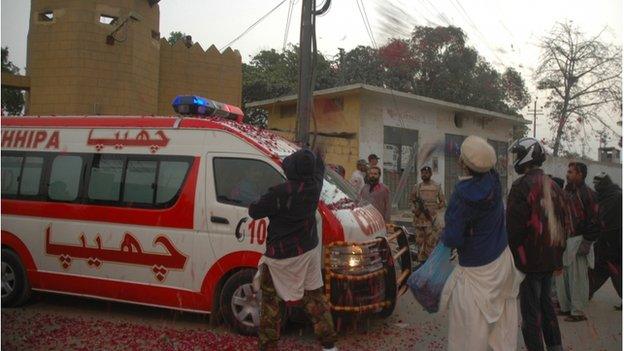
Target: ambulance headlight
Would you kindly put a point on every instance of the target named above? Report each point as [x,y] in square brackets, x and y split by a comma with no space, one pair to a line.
[355,259]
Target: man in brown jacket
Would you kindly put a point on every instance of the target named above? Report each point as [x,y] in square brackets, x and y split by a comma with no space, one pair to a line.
[375,193]
[427,198]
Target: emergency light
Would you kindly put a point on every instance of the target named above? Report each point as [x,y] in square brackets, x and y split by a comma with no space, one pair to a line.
[193,105]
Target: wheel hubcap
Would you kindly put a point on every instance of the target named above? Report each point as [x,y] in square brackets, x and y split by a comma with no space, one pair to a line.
[246,305]
[8,279]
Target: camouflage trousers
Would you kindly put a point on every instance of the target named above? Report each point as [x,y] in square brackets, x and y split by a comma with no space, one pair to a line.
[314,304]
[426,239]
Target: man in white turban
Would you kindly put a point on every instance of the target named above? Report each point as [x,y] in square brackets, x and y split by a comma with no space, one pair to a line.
[482,291]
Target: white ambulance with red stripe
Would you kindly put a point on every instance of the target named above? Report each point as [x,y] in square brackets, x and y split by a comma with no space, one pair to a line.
[153,211]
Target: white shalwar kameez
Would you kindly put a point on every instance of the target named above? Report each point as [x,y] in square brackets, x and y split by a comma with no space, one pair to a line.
[483,305]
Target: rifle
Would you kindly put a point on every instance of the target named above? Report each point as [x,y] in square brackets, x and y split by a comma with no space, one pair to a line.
[422,208]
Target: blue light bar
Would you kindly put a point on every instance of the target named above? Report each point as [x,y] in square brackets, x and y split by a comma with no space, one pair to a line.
[193,105]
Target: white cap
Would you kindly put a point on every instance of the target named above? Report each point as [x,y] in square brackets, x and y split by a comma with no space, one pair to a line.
[477,154]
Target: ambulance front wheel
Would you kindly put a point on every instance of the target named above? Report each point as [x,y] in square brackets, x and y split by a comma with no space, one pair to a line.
[240,304]
[15,285]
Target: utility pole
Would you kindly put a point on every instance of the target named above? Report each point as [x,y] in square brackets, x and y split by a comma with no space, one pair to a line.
[304,103]
[306,54]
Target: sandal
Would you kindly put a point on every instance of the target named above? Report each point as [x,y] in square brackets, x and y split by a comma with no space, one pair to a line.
[574,318]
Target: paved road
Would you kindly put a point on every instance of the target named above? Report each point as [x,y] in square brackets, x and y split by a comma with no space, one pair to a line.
[55,322]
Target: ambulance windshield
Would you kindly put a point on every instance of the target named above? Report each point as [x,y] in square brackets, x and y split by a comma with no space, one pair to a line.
[337,193]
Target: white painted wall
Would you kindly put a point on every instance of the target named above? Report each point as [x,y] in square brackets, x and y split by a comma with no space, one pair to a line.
[432,123]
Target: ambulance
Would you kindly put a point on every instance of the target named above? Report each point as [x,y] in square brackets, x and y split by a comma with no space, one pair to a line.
[153,211]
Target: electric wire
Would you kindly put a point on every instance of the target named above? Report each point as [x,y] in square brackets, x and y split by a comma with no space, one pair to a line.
[253,25]
[370,29]
[291,5]
[366,25]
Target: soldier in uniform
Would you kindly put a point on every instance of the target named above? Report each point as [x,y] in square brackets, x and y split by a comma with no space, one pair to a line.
[427,198]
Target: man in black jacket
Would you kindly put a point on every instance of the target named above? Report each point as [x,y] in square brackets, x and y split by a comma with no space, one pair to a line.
[536,228]
[573,285]
[290,269]
[608,247]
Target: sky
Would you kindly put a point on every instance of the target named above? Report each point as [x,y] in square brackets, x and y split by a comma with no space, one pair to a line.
[506,33]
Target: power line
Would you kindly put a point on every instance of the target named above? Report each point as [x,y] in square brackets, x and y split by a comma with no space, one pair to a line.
[291,5]
[366,24]
[253,25]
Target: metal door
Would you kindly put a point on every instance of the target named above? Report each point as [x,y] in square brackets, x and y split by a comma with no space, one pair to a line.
[399,148]
[452,169]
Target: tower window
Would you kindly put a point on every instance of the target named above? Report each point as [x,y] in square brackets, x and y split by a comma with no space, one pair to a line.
[106,19]
[46,16]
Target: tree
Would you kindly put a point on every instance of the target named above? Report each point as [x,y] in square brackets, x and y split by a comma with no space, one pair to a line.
[435,62]
[581,74]
[271,74]
[12,99]
[360,65]
[177,35]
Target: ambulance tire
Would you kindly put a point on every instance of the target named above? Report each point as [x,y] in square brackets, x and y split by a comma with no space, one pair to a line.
[14,279]
[387,311]
[235,285]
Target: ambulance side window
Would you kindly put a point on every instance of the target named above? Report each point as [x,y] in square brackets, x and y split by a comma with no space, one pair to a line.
[11,171]
[65,177]
[140,181]
[170,177]
[31,175]
[22,175]
[105,180]
[241,181]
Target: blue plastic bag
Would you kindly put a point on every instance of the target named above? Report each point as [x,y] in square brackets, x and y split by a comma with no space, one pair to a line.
[428,281]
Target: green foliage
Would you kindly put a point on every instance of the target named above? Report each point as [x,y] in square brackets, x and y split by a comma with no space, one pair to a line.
[12,99]
[271,74]
[175,36]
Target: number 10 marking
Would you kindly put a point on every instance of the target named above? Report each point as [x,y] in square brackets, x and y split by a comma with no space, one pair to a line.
[258,231]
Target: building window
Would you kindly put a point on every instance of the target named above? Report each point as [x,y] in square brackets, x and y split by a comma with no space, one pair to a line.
[106,19]
[46,16]
[155,35]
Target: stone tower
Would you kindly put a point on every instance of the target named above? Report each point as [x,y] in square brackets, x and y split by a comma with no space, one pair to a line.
[72,68]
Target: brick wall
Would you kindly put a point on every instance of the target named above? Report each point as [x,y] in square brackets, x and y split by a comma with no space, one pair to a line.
[337,122]
[73,71]
[193,71]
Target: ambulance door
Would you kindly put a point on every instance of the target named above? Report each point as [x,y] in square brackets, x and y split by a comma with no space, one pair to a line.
[234,181]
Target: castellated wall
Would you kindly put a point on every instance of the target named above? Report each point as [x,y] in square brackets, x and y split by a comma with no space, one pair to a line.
[73,71]
[193,71]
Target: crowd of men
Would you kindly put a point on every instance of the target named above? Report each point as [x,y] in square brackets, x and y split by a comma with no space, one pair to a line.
[551,239]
